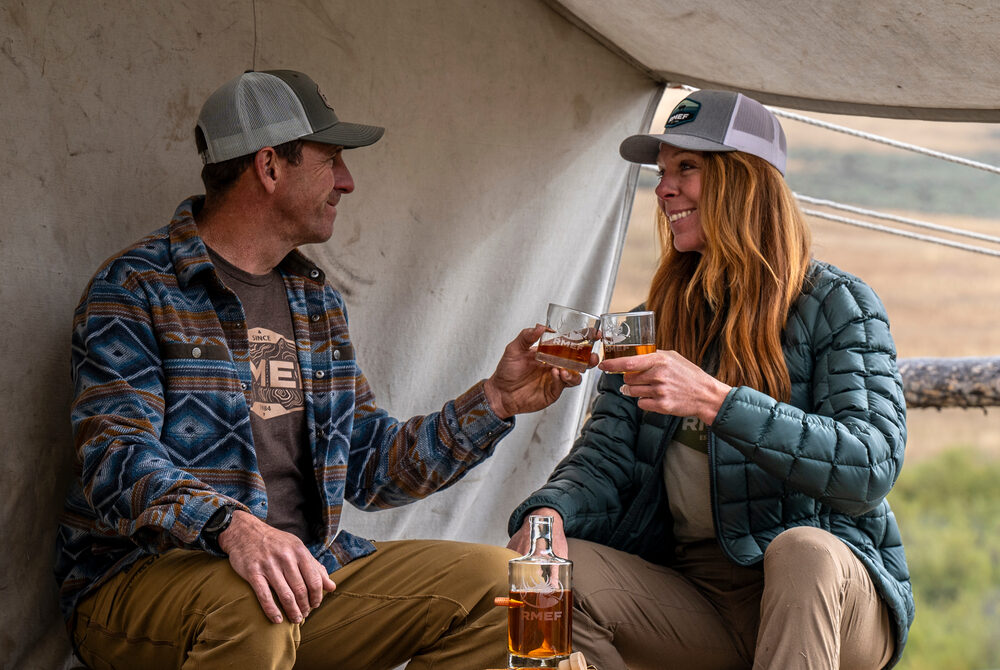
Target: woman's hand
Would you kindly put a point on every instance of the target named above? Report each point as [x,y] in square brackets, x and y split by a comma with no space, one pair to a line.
[521,540]
[668,383]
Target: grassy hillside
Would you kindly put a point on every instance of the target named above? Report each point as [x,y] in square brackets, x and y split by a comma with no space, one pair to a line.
[948,508]
[898,181]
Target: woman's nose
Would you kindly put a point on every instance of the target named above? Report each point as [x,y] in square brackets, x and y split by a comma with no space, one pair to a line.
[667,187]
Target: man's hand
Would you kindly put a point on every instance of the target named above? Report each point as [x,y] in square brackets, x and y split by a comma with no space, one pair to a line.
[522,384]
[521,540]
[271,559]
[668,383]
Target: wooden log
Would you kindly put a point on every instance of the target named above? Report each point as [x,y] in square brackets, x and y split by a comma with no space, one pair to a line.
[951,382]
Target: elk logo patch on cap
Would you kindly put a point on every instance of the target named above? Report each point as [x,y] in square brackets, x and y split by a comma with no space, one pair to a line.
[685,112]
[323,98]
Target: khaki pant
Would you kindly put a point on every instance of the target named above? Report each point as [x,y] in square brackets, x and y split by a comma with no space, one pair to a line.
[431,601]
[812,605]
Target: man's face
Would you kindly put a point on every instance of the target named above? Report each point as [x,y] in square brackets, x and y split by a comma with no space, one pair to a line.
[308,194]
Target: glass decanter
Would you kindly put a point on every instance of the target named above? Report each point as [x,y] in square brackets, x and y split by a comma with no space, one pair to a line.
[540,607]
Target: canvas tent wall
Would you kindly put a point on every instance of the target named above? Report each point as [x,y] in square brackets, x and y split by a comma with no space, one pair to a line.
[496,188]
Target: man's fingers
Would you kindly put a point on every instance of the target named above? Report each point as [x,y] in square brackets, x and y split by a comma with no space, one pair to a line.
[305,587]
[287,588]
[314,573]
[315,594]
[302,594]
[263,590]
[529,336]
[568,377]
[288,603]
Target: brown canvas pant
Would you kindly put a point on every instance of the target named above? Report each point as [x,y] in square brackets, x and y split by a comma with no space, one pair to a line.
[813,605]
[431,601]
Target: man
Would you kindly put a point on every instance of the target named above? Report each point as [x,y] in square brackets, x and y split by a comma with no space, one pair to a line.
[220,421]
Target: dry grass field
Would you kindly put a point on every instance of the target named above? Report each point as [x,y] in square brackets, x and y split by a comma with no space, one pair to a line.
[941,301]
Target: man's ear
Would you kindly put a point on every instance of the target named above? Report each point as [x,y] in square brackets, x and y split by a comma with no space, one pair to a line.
[265,164]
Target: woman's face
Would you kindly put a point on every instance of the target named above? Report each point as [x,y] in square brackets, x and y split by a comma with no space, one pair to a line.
[678,194]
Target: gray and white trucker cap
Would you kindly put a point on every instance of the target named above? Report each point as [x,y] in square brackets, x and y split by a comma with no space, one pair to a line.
[714,121]
[263,109]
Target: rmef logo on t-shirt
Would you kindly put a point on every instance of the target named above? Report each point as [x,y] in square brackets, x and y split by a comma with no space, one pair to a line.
[277,381]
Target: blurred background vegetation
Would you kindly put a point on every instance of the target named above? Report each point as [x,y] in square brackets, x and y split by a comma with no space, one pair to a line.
[941,302]
[899,181]
[948,508]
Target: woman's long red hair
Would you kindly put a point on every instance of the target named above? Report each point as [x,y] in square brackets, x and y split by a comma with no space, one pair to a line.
[727,306]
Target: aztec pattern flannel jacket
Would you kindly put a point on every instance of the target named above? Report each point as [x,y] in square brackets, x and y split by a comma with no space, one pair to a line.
[161,419]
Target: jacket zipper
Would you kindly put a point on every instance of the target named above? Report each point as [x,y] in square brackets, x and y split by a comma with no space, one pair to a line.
[713,494]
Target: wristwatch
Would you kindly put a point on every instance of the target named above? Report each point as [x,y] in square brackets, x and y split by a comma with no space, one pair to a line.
[218,522]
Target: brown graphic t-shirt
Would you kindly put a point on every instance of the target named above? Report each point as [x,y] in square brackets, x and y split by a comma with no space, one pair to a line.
[276,410]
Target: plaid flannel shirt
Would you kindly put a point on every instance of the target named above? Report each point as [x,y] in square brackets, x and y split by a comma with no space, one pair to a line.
[161,419]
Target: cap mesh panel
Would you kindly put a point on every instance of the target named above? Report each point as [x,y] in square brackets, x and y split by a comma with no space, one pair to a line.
[753,120]
[756,131]
[252,111]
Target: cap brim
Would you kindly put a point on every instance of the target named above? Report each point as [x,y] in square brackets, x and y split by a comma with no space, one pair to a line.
[347,135]
[645,148]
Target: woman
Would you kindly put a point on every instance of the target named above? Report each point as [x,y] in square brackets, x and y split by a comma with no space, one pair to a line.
[725,502]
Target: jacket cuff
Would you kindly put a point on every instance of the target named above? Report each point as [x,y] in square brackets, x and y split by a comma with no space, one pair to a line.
[199,515]
[743,417]
[477,421]
[523,511]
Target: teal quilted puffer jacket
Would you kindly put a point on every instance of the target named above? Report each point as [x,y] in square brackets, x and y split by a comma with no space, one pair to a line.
[827,458]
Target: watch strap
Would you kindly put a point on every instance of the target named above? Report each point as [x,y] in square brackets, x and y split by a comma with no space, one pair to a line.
[218,522]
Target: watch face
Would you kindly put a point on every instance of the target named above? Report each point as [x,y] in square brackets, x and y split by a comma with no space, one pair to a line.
[219,520]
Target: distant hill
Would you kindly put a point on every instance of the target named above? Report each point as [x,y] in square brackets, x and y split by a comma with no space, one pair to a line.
[897,181]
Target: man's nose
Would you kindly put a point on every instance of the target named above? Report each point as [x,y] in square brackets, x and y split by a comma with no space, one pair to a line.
[343,181]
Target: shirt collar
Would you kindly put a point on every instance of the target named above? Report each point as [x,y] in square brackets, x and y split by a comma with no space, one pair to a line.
[190,256]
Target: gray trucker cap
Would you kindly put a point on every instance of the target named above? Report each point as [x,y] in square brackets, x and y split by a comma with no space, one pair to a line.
[714,121]
[264,109]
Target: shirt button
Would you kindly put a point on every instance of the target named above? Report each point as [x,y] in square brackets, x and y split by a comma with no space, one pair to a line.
[314,318]
[336,354]
[243,385]
[314,273]
[320,374]
[196,352]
